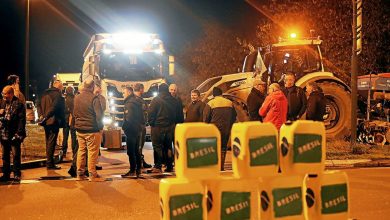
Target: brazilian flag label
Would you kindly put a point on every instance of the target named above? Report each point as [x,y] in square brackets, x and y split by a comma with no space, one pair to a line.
[236,205]
[188,206]
[307,148]
[287,201]
[334,198]
[263,151]
[202,152]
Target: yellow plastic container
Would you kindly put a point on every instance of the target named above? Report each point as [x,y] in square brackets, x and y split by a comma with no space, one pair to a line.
[327,195]
[302,147]
[231,198]
[181,199]
[197,151]
[255,149]
[282,197]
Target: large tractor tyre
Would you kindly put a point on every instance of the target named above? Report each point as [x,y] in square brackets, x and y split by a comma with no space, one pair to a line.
[338,110]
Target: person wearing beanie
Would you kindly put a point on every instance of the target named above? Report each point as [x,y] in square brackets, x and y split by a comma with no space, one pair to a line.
[163,115]
[220,111]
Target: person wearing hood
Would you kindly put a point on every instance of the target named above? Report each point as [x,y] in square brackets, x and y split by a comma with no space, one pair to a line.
[163,115]
[132,126]
[220,112]
[274,108]
[316,103]
[255,99]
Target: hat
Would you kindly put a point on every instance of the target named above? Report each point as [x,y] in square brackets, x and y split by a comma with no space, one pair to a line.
[258,82]
[163,88]
[217,91]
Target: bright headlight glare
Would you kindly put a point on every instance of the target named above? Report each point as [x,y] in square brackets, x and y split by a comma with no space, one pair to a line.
[107,51]
[107,120]
[113,108]
[111,101]
[155,94]
[116,124]
[110,94]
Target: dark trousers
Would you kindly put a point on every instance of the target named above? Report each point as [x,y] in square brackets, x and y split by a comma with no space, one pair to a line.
[51,134]
[65,133]
[162,145]
[132,142]
[142,141]
[7,148]
[224,142]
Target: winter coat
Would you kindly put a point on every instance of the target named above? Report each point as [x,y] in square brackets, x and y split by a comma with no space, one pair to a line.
[69,106]
[254,102]
[164,111]
[220,111]
[133,115]
[316,106]
[297,100]
[181,114]
[52,108]
[274,109]
[195,111]
[15,126]
[88,112]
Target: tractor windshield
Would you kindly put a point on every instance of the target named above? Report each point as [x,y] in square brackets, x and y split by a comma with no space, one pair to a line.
[130,67]
[296,59]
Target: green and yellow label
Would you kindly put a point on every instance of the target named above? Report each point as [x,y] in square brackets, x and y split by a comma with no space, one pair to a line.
[263,151]
[235,205]
[307,148]
[334,198]
[187,206]
[202,152]
[287,201]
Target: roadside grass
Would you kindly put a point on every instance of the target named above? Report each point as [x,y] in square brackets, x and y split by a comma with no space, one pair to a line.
[342,150]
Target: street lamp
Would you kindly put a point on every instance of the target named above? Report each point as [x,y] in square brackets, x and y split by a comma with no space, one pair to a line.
[27,51]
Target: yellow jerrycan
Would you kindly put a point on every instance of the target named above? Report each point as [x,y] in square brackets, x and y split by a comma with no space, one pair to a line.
[302,147]
[182,199]
[232,198]
[197,151]
[255,149]
[283,197]
[327,195]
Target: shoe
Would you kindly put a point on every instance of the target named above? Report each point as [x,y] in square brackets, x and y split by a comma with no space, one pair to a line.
[81,178]
[54,167]
[96,178]
[155,170]
[17,178]
[98,167]
[86,173]
[168,169]
[72,172]
[129,174]
[138,173]
[4,178]
[146,165]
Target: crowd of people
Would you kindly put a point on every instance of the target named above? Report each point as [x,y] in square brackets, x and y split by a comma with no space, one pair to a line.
[81,116]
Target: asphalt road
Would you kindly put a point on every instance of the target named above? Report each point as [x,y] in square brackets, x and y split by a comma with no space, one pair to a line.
[117,198]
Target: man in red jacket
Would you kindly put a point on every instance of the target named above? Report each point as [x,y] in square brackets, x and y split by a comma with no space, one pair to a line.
[274,108]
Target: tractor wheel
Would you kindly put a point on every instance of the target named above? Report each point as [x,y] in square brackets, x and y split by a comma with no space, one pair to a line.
[338,114]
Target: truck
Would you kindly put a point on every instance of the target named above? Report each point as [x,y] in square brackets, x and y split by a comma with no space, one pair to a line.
[301,56]
[69,79]
[117,60]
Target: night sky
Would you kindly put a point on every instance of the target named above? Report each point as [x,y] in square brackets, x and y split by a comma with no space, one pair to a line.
[61,29]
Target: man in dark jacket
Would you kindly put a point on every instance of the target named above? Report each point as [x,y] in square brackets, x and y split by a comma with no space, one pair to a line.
[174,94]
[52,110]
[195,108]
[220,111]
[132,126]
[163,115]
[316,103]
[12,132]
[255,99]
[296,98]
[69,105]
[88,115]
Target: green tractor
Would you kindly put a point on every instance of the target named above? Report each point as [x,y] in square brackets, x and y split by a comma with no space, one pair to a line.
[303,58]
